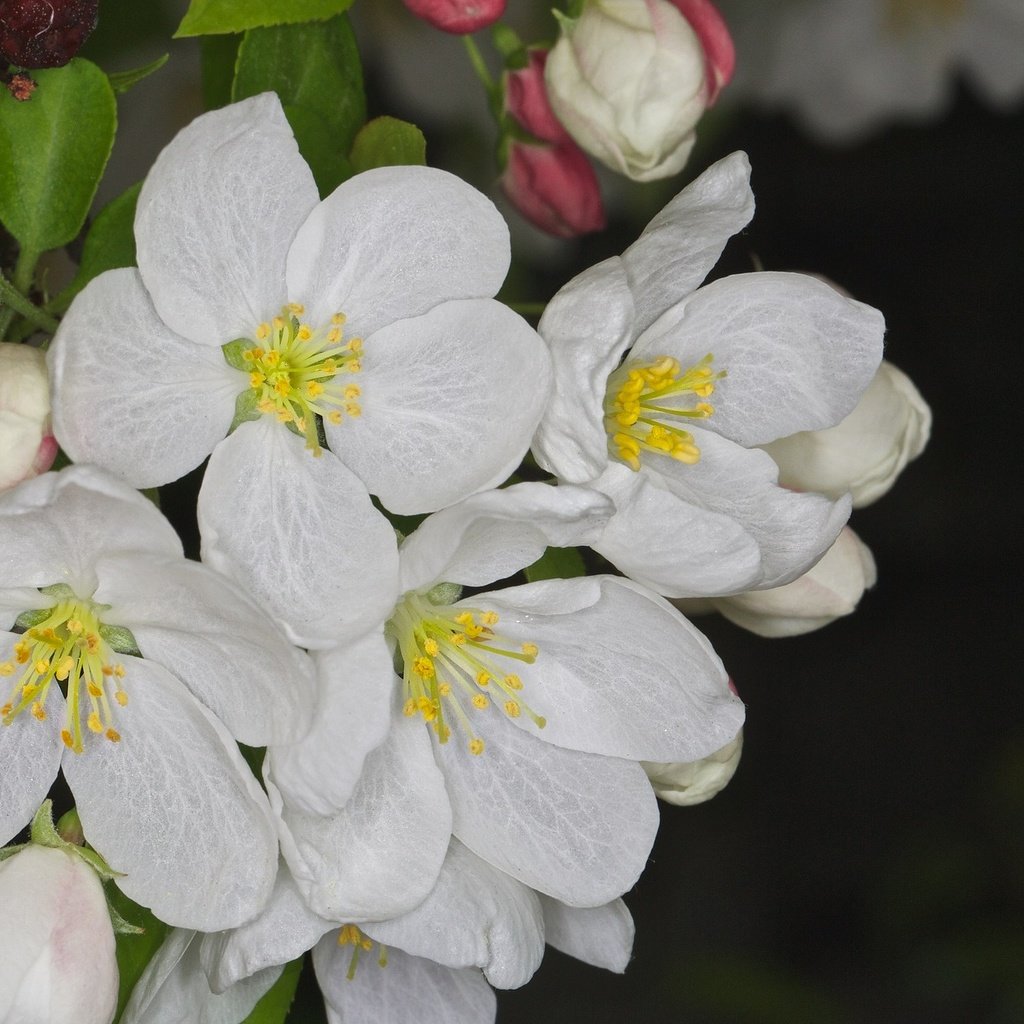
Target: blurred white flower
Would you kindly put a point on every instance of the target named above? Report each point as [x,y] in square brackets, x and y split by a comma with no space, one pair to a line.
[664,390]
[845,67]
[93,576]
[865,452]
[27,446]
[57,963]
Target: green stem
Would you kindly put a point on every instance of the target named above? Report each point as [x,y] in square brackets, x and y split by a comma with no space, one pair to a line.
[16,302]
[476,58]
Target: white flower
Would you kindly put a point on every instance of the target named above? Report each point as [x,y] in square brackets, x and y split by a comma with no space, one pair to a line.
[829,590]
[517,725]
[845,67]
[146,743]
[368,313]
[57,963]
[686,783]
[640,353]
[865,452]
[27,448]
[627,79]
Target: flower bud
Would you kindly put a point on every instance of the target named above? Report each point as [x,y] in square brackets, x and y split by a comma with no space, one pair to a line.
[715,41]
[550,181]
[27,446]
[867,451]
[692,782]
[829,590]
[629,80]
[458,16]
[57,963]
[45,33]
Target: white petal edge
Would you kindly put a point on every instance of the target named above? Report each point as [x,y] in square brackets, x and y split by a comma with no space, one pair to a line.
[599,936]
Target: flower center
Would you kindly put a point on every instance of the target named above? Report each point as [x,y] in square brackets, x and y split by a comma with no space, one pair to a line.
[350,935]
[67,645]
[293,368]
[453,657]
[634,411]
[903,16]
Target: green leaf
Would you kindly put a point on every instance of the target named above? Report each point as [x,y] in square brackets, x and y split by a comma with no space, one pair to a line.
[122,81]
[53,149]
[215,17]
[274,1006]
[218,55]
[134,951]
[315,67]
[386,142]
[109,244]
[319,149]
[556,564]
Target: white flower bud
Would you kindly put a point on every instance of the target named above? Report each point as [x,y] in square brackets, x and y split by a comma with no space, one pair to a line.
[57,963]
[829,590]
[685,783]
[867,451]
[27,446]
[628,80]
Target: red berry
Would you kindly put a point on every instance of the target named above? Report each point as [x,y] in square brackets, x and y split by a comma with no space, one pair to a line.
[44,33]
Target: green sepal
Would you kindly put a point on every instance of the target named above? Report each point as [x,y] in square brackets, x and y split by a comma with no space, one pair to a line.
[234,353]
[26,620]
[274,1006]
[245,409]
[444,593]
[53,151]
[121,926]
[122,81]
[109,245]
[10,851]
[315,67]
[388,142]
[120,639]
[215,17]
[510,46]
[43,833]
[556,564]
[566,19]
[135,948]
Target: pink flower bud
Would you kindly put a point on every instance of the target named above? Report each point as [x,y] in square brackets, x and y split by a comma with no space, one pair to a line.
[526,99]
[458,16]
[57,963]
[719,52]
[554,187]
[27,445]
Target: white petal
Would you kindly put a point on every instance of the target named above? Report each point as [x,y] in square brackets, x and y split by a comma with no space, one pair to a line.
[683,242]
[792,530]
[410,990]
[174,989]
[130,394]
[299,533]
[600,936]
[449,403]
[284,931]
[620,671]
[497,533]
[673,546]
[575,826]
[356,684]
[476,916]
[394,242]
[216,640]
[216,216]
[796,353]
[56,526]
[587,326]
[379,856]
[30,752]
[174,808]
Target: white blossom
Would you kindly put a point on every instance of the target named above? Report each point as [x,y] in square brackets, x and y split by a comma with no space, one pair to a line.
[27,447]
[135,672]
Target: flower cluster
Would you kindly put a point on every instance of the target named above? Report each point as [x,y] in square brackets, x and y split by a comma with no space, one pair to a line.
[365,724]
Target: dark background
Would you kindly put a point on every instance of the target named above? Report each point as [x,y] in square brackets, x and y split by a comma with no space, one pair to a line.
[865,864]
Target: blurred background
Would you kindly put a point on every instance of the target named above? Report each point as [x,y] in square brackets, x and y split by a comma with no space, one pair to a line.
[867,861]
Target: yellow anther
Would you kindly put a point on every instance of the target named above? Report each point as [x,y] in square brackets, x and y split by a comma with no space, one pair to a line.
[296,308]
[304,332]
[94,723]
[66,738]
[409,708]
[39,712]
[262,332]
[476,746]
[272,358]
[431,646]
[444,689]
[483,678]
[256,379]
[334,336]
[94,690]
[75,627]
[480,701]
[458,639]
[338,319]
[42,666]
[334,417]
[92,643]
[513,682]
[512,709]
[278,323]
[355,344]
[6,668]
[530,650]
[352,392]
[114,736]
[489,618]
[314,389]
[121,697]
[464,618]
[424,668]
